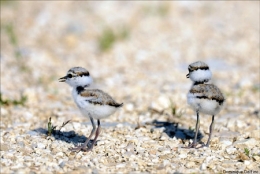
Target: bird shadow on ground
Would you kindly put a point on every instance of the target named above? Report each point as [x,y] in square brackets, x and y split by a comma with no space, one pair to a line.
[173,130]
[67,136]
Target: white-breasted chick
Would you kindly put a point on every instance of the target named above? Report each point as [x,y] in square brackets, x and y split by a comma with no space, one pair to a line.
[202,97]
[93,103]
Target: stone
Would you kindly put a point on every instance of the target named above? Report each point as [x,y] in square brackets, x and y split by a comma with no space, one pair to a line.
[183,155]
[231,150]
[203,166]
[242,156]
[190,164]
[246,143]
[256,158]
[4,147]
[164,136]
[62,163]
[129,107]
[41,145]
[255,134]
[246,162]
[122,165]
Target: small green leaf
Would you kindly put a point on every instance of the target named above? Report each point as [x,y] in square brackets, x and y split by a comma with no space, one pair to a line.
[246,151]
[49,127]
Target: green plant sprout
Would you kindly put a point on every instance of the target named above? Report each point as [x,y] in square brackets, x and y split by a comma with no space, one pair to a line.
[246,151]
[52,129]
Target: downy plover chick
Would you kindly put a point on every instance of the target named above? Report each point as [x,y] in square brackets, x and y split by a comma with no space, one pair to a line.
[202,97]
[93,103]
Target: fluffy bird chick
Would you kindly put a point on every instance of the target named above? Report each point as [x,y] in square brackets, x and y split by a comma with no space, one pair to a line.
[92,103]
[202,97]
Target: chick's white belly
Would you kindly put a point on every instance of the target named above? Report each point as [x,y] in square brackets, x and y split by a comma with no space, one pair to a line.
[95,110]
[205,106]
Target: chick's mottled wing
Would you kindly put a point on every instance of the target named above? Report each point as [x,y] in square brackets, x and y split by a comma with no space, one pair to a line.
[92,96]
[96,96]
[208,91]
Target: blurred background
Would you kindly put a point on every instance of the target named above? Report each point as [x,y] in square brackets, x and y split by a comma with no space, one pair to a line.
[138,52]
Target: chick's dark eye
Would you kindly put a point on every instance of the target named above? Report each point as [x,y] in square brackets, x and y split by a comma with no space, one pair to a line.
[69,76]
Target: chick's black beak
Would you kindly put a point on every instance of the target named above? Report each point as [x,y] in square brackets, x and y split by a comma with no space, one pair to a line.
[188,75]
[63,79]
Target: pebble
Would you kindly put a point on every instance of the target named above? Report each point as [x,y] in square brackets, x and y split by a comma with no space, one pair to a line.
[212,165]
[59,154]
[242,156]
[166,163]
[255,134]
[164,136]
[246,143]
[241,124]
[190,164]
[4,111]
[129,154]
[246,162]
[4,147]
[203,166]
[164,101]
[153,152]
[256,158]
[155,160]
[76,125]
[121,165]
[34,145]
[132,140]
[129,107]
[225,143]
[41,146]
[183,155]
[62,164]
[230,150]
[130,147]
[208,159]
[198,159]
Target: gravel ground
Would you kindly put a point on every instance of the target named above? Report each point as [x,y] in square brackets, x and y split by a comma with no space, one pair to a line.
[138,52]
